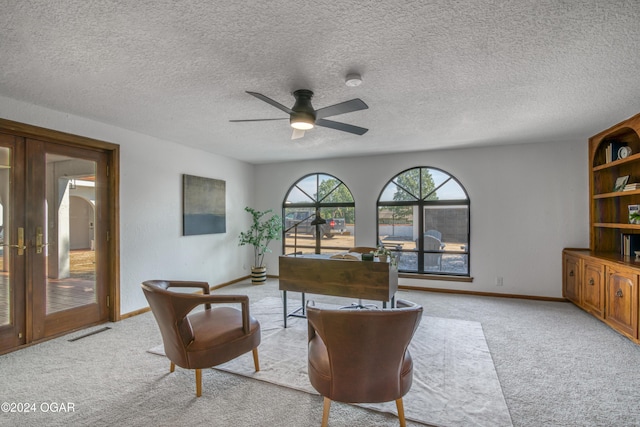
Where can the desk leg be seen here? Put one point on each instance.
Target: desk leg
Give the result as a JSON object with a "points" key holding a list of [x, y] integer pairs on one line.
{"points": [[304, 305], [284, 304], [393, 302]]}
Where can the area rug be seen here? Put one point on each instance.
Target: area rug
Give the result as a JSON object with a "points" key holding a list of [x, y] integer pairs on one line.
{"points": [[454, 379]]}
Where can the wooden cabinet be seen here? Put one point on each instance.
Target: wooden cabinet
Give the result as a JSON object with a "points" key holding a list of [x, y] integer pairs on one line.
{"points": [[605, 287], [571, 282], [603, 279], [593, 287], [622, 300]]}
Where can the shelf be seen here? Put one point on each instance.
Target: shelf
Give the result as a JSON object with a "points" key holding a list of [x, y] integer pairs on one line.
{"points": [[615, 163], [616, 194], [617, 225]]}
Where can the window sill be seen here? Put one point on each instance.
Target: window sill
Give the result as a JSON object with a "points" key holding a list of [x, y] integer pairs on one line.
{"points": [[444, 277]]}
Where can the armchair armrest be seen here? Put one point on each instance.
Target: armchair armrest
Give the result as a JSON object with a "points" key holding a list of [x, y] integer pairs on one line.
{"points": [[190, 284]]}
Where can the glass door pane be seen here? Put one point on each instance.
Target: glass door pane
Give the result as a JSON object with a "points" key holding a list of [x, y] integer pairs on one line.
{"points": [[6, 294], [68, 241], [12, 254]]}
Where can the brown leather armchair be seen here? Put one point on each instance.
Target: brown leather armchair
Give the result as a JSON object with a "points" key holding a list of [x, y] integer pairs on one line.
{"points": [[361, 356], [205, 338]]}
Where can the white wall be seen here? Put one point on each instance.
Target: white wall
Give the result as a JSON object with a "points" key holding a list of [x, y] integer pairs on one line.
{"points": [[151, 241], [527, 203]]}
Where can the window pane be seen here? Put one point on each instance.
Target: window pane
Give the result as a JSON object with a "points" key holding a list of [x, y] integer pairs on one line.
{"points": [[450, 191], [309, 185], [339, 194], [431, 179], [297, 196], [395, 231], [326, 185], [442, 262], [455, 263], [395, 191], [395, 225], [408, 262], [389, 191], [449, 224], [336, 237], [299, 233], [408, 185]]}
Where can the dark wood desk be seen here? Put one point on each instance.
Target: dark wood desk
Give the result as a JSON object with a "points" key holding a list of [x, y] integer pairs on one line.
{"points": [[318, 274]]}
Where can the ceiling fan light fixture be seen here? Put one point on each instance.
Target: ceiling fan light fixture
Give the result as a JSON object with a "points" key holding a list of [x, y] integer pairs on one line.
{"points": [[302, 116], [302, 121]]}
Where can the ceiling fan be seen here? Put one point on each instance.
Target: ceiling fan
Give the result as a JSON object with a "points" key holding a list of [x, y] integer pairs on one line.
{"points": [[303, 117]]}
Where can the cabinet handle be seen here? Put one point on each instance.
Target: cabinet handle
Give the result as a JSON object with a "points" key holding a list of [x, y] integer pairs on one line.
{"points": [[592, 282], [619, 293], [571, 273]]}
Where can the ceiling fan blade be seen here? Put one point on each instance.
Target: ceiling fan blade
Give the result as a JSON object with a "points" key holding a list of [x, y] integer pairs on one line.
{"points": [[297, 134], [258, 120], [271, 102], [342, 108], [341, 126]]}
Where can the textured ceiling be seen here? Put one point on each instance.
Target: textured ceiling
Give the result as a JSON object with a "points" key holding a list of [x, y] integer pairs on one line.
{"points": [[436, 74]]}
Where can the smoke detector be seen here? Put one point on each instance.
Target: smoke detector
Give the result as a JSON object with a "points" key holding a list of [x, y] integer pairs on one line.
{"points": [[353, 80]]}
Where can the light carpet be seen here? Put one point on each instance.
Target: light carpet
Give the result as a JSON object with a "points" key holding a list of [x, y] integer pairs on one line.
{"points": [[454, 378]]}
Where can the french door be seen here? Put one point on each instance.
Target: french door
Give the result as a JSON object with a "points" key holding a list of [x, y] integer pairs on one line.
{"points": [[54, 230]]}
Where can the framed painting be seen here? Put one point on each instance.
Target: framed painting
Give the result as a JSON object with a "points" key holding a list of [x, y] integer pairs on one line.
{"points": [[203, 206]]}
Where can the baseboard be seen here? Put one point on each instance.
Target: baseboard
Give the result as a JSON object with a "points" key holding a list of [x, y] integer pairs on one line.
{"points": [[482, 294]]}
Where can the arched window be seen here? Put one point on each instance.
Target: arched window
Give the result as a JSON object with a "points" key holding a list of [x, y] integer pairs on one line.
{"points": [[327, 196], [423, 217]]}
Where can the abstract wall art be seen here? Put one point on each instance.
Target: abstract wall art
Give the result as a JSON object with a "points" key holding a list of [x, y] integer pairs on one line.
{"points": [[203, 208]]}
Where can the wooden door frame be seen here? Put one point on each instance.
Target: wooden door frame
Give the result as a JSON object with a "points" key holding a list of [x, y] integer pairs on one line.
{"points": [[113, 154]]}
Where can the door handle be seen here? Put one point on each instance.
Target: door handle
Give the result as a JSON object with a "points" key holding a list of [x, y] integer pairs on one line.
{"points": [[39, 238], [21, 247]]}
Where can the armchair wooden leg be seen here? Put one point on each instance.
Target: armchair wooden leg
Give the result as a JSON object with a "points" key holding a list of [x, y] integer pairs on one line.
{"points": [[400, 407], [198, 382], [325, 411], [256, 362], [172, 367]]}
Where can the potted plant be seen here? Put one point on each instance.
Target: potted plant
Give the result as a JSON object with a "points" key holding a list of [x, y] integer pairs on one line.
{"points": [[383, 253], [263, 230]]}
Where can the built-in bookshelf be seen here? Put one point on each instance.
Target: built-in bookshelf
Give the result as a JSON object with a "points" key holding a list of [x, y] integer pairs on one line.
{"points": [[604, 279], [609, 214]]}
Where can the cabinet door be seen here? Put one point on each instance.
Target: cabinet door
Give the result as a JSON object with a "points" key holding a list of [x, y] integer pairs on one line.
{"points": [[593, 288], [622, 301], [571, 282]]}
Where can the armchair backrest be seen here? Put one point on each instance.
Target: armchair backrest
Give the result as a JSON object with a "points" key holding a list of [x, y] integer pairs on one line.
{"points": [[366, 349], [170, 310]]}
